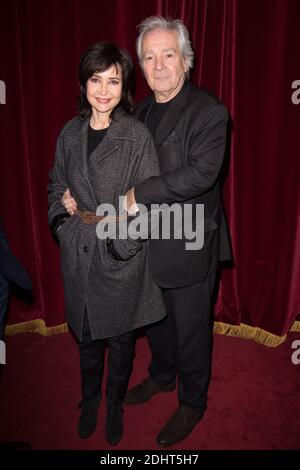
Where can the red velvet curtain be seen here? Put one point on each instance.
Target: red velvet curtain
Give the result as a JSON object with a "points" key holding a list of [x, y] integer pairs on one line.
{"points": [[246, 54]]}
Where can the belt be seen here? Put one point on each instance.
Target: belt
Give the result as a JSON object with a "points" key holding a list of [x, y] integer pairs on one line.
{"points": [[91, 218]]}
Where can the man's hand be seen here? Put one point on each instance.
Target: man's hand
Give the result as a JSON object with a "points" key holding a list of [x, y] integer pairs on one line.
{"points": [[130, 204], [69, 202]]}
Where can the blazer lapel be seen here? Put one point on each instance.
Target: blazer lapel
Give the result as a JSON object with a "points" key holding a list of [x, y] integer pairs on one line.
{"points": [[171, 117]]}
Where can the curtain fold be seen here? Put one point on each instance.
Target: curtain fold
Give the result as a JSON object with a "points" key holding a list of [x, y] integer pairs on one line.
{"points": [[246, 53]]}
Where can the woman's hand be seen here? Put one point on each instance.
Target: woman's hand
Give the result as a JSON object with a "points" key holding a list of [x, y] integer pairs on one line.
{"points": [[69, 202]]}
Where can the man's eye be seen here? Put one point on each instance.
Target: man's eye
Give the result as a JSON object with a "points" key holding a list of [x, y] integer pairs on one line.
{"points": [[148, 58]]}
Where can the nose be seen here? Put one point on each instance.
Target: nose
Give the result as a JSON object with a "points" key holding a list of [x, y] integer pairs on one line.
{"points": [[103, 88], [159, 63]]}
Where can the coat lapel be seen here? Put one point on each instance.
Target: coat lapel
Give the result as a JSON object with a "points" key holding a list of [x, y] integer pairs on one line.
{"points": [[108, 146], [103, 150], [79, 147], [79, 151]]}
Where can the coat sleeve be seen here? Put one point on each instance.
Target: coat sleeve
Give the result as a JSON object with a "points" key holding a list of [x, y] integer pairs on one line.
{"points": [[199, 174], [146, 166], [147, 161], [56, 187]]}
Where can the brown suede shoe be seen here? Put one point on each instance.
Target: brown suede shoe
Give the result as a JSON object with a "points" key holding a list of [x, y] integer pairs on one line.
{"points": [[144, 391], [179, 426]]}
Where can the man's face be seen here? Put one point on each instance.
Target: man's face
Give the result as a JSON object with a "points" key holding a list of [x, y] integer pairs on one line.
{"points": [[163, 65]]}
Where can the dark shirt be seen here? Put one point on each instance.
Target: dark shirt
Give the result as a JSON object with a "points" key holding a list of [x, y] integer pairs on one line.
{"points": [[156, 114], [94, 138]]}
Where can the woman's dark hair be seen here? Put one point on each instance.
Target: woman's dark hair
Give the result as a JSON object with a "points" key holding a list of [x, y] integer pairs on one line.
{"points": [[99, 58]]}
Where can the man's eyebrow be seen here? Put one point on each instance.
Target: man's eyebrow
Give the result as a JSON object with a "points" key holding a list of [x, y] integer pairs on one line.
{"points": [[150, 51]]}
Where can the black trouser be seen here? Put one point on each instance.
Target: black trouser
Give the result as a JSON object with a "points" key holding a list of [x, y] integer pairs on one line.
{"points": [[120, 359], [181, 343]]}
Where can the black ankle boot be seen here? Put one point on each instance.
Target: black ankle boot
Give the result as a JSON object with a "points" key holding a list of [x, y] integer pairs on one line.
{"points": [[114, 425], [88, 418]]}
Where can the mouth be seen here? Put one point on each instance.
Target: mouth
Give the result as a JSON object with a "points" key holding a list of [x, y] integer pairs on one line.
{"points": [[102, 100]]}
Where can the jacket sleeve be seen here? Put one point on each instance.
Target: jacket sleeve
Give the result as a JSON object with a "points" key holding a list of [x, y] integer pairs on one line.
{"points": [[199, 174], [56, 187]]}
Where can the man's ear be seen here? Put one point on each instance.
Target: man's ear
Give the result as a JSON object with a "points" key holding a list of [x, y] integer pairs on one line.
{"points": [[185, 65]]}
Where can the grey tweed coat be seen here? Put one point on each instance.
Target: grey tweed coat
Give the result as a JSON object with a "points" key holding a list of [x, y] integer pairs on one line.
{"points": [[120, 295]]}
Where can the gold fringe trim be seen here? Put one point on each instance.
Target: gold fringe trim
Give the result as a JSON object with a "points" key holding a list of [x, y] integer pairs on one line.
{"points": [[295, 326], [36, 326], [241, 331], [249, 332]]}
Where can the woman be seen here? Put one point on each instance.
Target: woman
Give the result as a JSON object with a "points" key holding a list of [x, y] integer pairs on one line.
{"points": [[100, 154]]}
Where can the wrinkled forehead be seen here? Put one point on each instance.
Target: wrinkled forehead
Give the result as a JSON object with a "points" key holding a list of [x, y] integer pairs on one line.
{"points": [[160, 40]]}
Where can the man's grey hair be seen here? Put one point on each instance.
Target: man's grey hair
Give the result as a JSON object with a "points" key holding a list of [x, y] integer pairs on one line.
{"points": [[153, 23]]}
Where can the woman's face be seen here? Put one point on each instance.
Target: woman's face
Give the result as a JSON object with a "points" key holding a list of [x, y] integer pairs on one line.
{"points": [[104, 89]]}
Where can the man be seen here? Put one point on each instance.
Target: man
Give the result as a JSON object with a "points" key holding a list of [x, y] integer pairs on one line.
{"points": [[189, 128]]}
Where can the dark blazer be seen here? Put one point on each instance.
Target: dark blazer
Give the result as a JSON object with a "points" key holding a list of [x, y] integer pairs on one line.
{"points": [[120, 295], [190, 141]]}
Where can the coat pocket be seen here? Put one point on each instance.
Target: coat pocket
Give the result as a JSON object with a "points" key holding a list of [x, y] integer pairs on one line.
{"points": [[65, 232]]}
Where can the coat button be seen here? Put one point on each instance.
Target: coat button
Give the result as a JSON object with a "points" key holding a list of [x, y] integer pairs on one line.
{"points": [[85, 249]]}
